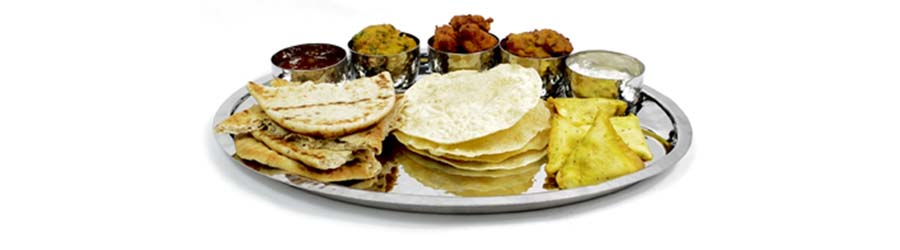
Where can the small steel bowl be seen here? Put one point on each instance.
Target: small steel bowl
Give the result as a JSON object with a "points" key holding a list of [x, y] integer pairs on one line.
{"points": [[551, 70], [334, 72], [402, 66], [445, 62], [608, 74]]}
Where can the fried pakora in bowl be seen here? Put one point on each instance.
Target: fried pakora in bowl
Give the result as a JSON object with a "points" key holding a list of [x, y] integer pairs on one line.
{"points": [[382, 47], [543, 50], [544, 43], [463, 44]]}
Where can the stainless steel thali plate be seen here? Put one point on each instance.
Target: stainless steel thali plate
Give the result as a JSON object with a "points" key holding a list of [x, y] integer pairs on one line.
{"points": [[668, 135]]}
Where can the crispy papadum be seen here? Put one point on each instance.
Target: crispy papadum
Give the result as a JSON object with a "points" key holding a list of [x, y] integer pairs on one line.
{"points": [[538, 142], [508, 140], [517, 161], [465, 105], [431, 173], [444, 167]]}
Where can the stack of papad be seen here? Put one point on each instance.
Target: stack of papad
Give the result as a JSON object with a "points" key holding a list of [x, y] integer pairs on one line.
{"points": [[591, 142], [477, 122], [329, 132], [441, 176]]}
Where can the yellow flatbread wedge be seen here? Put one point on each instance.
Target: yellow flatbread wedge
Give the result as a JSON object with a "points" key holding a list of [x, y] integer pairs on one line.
{"points": [[511, 163], [629, 128], [573, 117], [582, 111], [508, 140], [564, 136], [600, 156], [248, 148], [429, 174]]}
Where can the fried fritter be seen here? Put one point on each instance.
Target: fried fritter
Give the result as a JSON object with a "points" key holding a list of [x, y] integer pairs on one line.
{"points": [[538, 43], [464, 34], [474, 39], [458, 21], [445, 38]]}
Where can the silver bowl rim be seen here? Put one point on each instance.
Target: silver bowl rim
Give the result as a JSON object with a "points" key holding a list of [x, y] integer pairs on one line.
{"points": [[574, 55]]}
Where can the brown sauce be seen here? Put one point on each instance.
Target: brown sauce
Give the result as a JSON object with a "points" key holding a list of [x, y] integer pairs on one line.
{"points": [[308, 56]]}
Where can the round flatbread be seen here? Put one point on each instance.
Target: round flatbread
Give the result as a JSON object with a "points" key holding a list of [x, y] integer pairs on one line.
{"points": [[538, 142], [465, 105], [443, 167], [502, 142], [430, 174], [511, 163]]}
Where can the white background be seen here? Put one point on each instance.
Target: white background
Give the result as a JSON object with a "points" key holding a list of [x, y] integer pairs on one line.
{"points": [[107, 112]]}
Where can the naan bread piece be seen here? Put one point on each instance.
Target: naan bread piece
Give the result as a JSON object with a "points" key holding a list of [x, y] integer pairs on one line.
{"points": [[430, 174], [259, 167], [600, 156], [465, 105], [373, 138], [248, 148], [370, 138], [327, 110], [314, 152], [246, 121], [629, 128], [511, 163], [278, 82], [384, 182], [508, 140], [322, 159]]}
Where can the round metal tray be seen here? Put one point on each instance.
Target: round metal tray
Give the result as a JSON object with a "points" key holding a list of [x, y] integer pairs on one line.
{"points": [[669, 136]]}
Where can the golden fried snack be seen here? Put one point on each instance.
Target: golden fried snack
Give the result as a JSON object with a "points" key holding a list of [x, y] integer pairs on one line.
{"points": [[473, 39], [445, 38], [458, 21], [464, 34], [538, 44]]}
